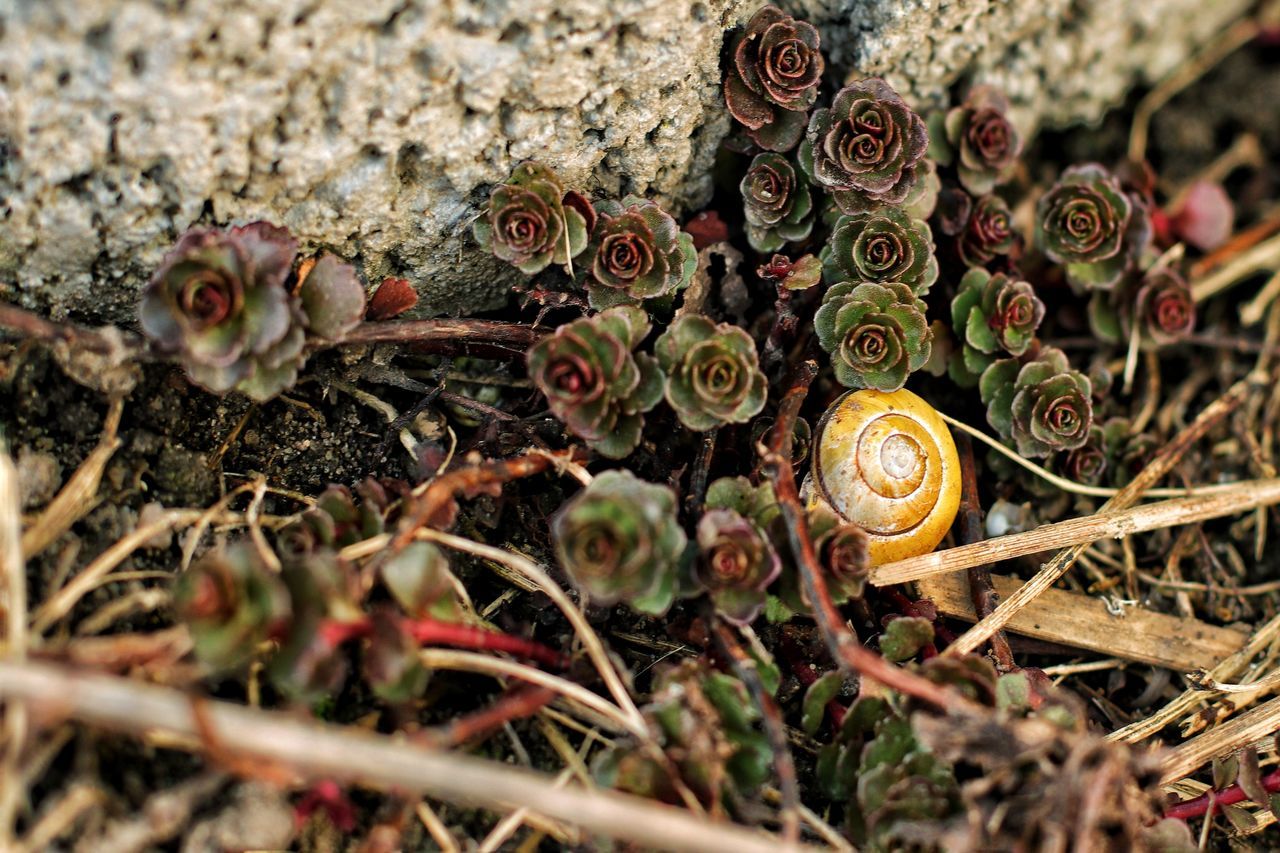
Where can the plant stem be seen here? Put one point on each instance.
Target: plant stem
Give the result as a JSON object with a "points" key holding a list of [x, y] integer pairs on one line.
{"points": [[438, 633], [1197, 806], [981, 589]]}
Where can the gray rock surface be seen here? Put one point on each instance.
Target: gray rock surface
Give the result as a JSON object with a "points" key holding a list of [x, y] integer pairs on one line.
{"points": [[376, 128]]}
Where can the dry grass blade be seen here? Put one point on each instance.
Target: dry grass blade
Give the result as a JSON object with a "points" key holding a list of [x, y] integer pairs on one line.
{"points": [[13, 607], [354, 755], [80, 493], [1084, 622], [1159, 466], [590, 640], [1186, 702], [62, 603], [1246, 729], [1113, 524], [1263, 256], [502, 668]]}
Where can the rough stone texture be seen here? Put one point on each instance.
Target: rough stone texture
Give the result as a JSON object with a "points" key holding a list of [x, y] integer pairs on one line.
{"points": [[1060, 61], [375, 128]]}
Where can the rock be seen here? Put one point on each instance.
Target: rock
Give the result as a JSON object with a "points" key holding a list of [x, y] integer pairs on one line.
{"points": [[375, 129]]}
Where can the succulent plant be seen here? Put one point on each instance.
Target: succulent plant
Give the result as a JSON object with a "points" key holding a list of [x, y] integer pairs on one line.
{"points": [[987, 232], [231, 602], [636, 252], [218, 300], [776, 202], [420, 581], [593, 380], [801, 274], [990, 314], [619, 540], [868, 148], [392, 662], [1084, 222], [708, 728], [773, 79], [336, 521], [1040, 404], [842, 551], [758, 504], [332, 297], [981, 139], [713, 372], [881, 247], [876, 334], [736, 564], [1161, 304], [1127, 452], [528, 224], [1087, 463]]}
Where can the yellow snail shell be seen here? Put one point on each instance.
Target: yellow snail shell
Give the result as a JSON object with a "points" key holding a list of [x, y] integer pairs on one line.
{"points": [[887, 462]]}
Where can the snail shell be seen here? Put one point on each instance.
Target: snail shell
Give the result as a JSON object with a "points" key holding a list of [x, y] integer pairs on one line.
{"points": [[887, 462]]}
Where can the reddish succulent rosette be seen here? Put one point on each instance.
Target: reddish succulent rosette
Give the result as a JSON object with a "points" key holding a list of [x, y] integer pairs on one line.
{"points": [[773, 80], [594, 382], [867, 148], [218, 300], [1164, 307], [987, 232], [983, 139], [737, 563], [1041, 404], [1088, 224]]}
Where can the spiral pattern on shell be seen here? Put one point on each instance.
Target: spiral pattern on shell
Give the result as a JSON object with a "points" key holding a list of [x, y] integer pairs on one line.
{"points": [[887, 462]]}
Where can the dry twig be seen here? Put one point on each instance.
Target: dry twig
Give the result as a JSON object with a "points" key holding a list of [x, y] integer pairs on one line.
{"points": [[322, 751]]}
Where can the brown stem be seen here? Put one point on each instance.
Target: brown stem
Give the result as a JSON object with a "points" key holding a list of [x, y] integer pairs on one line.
{"points": [[31, 325], [434, 505], [981, 589], [844, 646], [745, 668], [449, 334], [701, 468], [515, 704]]}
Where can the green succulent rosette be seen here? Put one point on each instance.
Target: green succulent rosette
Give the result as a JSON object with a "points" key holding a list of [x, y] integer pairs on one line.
{"points": [[1127, 452], [1082, 222], [619, 540], [594, 381], [636, 252], [876, 334], [218, 301], [881, 247], [776, 203], [773, 79], [528, 224], [867, 148], [713, 373], [231, 603], [981, 140], [991, 314], [1042, 405], [736, 563]]}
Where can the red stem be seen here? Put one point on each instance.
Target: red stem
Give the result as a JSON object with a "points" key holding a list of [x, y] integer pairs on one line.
{"points": [[1200, 805], [437, 633]]}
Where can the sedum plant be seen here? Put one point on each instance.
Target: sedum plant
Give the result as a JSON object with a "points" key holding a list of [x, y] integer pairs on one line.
{"points": [[594, 381], [776, 203], [619, 540], [1040, 403], [876, 334], [987, 232], [881, 247], [1161, 306], [636, 252], [979, 138], [736, 563], [773, 79], [867, 149], [231, 603], [713, 372], [532, 222], [1089, 225], [991, 314]]}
